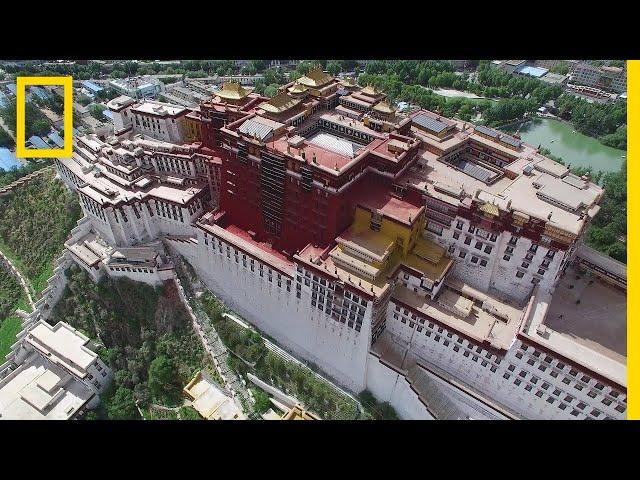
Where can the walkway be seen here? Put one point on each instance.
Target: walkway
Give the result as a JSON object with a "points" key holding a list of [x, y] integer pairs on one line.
{"points": [[7, 129], [26, 286], [210, 339]]}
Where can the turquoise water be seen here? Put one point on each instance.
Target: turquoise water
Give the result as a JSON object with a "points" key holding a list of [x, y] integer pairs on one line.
{"points": [[8, 160], [574, 148]]}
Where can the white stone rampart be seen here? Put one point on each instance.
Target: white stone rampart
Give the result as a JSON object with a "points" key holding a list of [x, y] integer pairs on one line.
{"points": [[389, 384], [338, 350]]}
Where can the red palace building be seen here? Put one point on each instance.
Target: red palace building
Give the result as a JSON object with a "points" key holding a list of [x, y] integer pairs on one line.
{"points": [[292, 165]]}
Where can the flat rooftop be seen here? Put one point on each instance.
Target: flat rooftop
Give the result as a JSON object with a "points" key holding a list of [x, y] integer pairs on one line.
{"points": [[63, 345], [38, 390], [210, 402], [521, 191], [90, 248], [583, 336], [598, 322], [453, 309], [376, 197], [313, 256], [239, 237], [159, 109]]}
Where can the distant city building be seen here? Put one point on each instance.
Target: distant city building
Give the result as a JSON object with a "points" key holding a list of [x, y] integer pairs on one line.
{"points": [[604, 77], [509, 66], [529, 71], [137, 87], [555, 78], [246, 80], [163, 121]]}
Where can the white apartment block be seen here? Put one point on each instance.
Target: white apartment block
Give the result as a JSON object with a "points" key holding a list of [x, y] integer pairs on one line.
{"points": [[158, 120], [605, 77], [137, 87], [51, 374]]}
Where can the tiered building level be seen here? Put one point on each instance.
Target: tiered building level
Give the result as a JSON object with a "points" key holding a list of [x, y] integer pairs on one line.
{"points": [[385, 248]]}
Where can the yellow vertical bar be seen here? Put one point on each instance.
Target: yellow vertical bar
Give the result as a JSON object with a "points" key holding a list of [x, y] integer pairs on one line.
{"points": [[68, 118], [633, 250], [20, 117]]}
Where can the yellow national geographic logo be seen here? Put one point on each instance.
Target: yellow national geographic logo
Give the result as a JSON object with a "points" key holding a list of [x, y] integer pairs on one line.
{"points": [[21, 150]]}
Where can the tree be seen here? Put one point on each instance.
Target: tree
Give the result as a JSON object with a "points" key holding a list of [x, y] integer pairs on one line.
{"points": [[249, 69], [561, 68], [96, 110], [189, 413], [40, 127], [272, 76], [161, 376], [334, 68], [122, 405], [271, 90], [6, 140], [619, 252], [262, 401]]}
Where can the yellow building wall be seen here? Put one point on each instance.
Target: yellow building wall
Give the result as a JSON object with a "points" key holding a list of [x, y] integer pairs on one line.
{"points": [[404, 236], [192, 131]]}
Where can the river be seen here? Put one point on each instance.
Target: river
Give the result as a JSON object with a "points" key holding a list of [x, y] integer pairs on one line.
{"points": [[574, 148]]}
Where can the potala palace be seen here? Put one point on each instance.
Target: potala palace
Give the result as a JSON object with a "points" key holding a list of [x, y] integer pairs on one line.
{"points": [[401, 253]]}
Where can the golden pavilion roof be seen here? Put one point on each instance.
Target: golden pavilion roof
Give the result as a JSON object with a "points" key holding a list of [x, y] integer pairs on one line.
{"points": [[371, 91], [348, 82], [491, 209], [280, 103], [232, 91], [297, 88], [315, 78], [384, 107]]}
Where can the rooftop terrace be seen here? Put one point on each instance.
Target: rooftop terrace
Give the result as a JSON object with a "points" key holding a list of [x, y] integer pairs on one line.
{"points": [[38, 390], [598, 321]]}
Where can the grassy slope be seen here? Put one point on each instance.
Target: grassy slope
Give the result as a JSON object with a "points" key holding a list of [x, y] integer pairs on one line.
{"points": [[34, 223]]}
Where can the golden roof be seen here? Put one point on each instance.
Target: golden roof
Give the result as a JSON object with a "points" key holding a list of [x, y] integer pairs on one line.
{"points": [[315, 78], [280, 103], [491, 209], [370, 90], [298, 88], [348, 82], [384, 107], [232, 91]]}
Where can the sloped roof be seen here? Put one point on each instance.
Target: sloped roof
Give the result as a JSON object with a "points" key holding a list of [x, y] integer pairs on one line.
{"points": [[491, 209], [298, 88], [384, 107], [280, 103], [315, 78], [256, 129], [370, 91], [232, 91]]}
